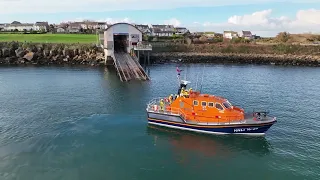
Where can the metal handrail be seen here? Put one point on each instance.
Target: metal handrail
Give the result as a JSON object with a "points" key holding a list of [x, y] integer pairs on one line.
{"points": [[144, 46]]}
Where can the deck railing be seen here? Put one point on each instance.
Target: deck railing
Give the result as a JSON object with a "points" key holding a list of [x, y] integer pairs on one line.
{"points": [[143, 47]]}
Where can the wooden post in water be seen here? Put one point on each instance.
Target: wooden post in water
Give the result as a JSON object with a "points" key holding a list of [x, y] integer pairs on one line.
{"points": [[149, 58]]}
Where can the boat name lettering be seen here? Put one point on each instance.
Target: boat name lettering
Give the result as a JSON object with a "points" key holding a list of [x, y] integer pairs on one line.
{"points": [[245, 129]]}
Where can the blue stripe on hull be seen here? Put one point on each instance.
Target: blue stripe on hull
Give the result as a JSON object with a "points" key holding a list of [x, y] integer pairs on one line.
{"points": [[258, 129]]}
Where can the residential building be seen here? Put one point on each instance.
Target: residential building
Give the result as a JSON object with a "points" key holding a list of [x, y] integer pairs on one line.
{"points": [[145, 29], [41, 26], [2, 26], [181, 30], [74, 27], [218, 35], [162, 30], [102, 25], [18, 26], [246, 34], [209, 35], [60, 30], [230, 34]]}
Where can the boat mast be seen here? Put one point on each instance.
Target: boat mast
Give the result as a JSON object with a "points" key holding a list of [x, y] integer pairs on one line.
{"points": [[202, 78]]}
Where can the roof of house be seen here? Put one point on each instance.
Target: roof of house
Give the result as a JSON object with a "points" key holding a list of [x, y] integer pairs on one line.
{"points": [[16, 22], [246, 33], [41, 24], [142, 26], [181, 28], [159, 31], [162, 26], [233, 32], [74, 25], [24, 24]]}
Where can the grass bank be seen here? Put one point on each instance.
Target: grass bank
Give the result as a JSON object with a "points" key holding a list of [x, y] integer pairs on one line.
{"points": [[50, 38]]}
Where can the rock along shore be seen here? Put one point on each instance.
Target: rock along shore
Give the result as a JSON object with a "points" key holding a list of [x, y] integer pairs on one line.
{"points": [[237, 58], [14, 53]]}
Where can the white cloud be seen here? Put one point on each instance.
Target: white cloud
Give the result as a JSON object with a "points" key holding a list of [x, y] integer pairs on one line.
{"points": [[262, 23], [49, 6]]}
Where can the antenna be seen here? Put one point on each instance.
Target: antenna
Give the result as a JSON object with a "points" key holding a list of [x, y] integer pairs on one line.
{"points": [[197, 81], [202, 78], [185, 74]]}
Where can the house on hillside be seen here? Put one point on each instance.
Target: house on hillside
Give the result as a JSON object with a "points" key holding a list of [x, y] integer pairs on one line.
{"points": [[246, 34], [209, 35], [41, 26], [230, 34], [74, 27], [2, 26], [162, 30], [145, 29], [218, 35], [18, 26], [181, 30], [102, 25]]}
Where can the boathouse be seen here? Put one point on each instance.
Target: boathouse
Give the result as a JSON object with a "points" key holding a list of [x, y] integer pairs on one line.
{"points": [[122, 43], [121, 37]]}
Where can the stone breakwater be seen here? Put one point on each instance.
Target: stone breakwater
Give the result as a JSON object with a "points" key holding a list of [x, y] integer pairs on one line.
{"points": [[237, 58], [13, 53]]}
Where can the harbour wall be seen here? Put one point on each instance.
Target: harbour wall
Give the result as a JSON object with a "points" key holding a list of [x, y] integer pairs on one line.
{"points": [[90, 54], [280, 54]]}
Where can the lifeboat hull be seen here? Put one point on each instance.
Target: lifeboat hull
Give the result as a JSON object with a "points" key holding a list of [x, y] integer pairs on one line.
{"points": [[176, 122]]}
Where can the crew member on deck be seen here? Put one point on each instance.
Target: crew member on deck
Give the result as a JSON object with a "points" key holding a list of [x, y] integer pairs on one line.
{"points": [[182, 91], [170, 98], [186, 94], [161, 105]]}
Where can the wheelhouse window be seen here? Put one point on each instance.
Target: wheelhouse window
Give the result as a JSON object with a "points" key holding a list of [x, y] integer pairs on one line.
{"points": [[227, 105], [218, 106], [211, 104], [203, 103], [195, 103]]}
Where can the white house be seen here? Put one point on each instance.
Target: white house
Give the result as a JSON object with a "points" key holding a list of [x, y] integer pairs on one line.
{"points": [[60, 30], [246, 34], [209, 35], [41, 26], [74, 27], [144, 28], [102, 25], [230, 34], [162, 30], [181, 30], [19, 27]]}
